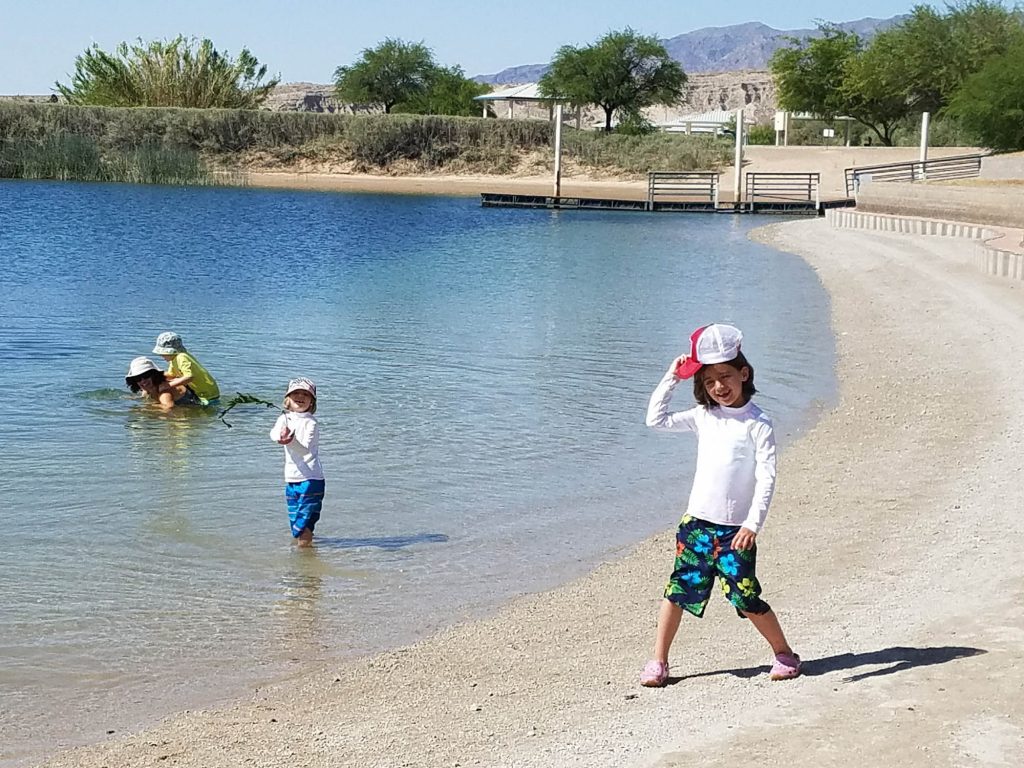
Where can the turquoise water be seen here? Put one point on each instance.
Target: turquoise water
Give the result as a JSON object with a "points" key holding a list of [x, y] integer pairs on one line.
{"points": [[482, 374]]}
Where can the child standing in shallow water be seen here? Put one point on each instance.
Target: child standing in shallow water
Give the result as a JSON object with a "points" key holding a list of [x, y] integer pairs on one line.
{"points": [[298, 431], [732, 488]]}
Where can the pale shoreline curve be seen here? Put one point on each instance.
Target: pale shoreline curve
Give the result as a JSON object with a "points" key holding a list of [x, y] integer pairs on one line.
{"points": [[889, 552], [829, 162], [449, 185]]}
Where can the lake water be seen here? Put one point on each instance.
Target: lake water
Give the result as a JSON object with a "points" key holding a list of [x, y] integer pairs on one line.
{"points": [[483, 376]]}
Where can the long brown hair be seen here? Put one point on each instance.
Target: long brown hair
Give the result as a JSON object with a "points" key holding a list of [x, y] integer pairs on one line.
{"points": [[156, 376], [700, 394]]}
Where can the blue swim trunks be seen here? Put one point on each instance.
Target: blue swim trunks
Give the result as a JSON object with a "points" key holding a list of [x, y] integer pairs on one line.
{"points": [[304, 502], [703, 551]]}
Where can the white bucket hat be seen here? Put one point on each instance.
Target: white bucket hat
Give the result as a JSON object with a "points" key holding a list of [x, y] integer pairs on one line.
{"points": [[137, 368], [168, 343], [715, 343]]}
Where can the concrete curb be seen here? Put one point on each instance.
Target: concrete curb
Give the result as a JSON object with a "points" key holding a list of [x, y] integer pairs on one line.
{"points": [[988, 259]]}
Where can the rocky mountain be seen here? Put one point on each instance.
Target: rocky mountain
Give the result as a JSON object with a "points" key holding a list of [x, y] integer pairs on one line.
{"points": [[714, 49]]}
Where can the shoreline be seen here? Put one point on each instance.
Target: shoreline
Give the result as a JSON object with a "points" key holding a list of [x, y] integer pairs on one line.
{"points": [[449, 185], [829, 161], [877, 556]]}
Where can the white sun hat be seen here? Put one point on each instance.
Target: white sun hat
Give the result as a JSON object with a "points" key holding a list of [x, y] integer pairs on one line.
{"points": [[168, 343], [137, 368], [710, 344]]}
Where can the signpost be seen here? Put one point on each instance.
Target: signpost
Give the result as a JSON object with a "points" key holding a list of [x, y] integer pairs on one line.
{"points": [[558, 150], [739, 156]]}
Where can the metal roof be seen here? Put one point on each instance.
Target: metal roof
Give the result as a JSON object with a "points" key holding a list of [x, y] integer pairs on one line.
{"points": [[528, 92], [714, 117]]}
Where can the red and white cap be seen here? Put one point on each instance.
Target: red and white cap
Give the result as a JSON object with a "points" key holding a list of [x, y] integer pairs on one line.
{"points": [[715, 343]]}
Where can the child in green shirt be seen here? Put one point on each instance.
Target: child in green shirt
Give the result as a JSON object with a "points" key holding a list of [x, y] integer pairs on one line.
{"points": [[185, 370]]}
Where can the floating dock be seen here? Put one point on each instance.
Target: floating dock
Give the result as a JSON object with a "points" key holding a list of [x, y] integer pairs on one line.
{"points": [[791, 194], [784, 207]]}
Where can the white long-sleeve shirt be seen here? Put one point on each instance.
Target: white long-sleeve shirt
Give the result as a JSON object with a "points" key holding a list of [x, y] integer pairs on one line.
{"points": [[735, 475], [302, 454]]}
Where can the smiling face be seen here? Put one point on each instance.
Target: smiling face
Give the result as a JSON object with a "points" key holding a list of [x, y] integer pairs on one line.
{"points": [[724, 384], [148, 384], [299, 401]]}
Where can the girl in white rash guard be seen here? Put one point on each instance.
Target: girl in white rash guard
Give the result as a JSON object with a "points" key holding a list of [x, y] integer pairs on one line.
{"points": [[732, 488]]}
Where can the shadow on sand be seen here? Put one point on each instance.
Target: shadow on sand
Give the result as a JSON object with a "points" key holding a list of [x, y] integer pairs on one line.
{"points": [[382, 542], [897, 659]]}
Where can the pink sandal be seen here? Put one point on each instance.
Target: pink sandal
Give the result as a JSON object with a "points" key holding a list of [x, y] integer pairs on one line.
{"points": [[786, 666], [655, 674]]}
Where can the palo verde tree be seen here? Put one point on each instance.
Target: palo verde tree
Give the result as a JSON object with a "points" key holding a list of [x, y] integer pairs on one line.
{"points": [[621, 71], [394, 72], [183, 72]]}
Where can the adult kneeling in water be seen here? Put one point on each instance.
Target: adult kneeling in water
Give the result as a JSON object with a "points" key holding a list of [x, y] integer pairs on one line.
{"points": [[144, 376]]}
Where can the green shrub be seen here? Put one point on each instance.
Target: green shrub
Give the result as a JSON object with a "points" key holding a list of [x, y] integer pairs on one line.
{"points": [[761, 134]]}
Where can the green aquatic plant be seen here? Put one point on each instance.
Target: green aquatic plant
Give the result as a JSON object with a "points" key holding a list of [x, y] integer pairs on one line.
{"points": [[68, 156], [241, 398]]}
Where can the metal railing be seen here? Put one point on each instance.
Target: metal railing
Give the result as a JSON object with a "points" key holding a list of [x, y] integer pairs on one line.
{"points": [[782, 189], [955, 167], [699, 185]]}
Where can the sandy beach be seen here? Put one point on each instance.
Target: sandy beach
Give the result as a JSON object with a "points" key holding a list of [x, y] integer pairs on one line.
{"points": [[829, 162], [890, 555]]}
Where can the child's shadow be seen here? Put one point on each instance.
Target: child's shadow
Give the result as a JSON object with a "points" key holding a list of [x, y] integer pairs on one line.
{"points": [[382, 542], [899, 658]]}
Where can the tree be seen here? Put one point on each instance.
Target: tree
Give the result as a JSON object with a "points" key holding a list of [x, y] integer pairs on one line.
{"points": [[392, 73], [622, 70], [833, 75], [448, 92], [175, 73], [932, 53], [990, 103], [872, 90], [809, 73]]}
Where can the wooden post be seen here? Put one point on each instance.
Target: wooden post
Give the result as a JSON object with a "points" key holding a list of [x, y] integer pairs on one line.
{"points": [[558, 150], [739, 155]]}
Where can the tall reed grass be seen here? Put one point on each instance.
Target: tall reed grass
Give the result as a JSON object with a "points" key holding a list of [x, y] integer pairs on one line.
{"points": [[69, 157]]}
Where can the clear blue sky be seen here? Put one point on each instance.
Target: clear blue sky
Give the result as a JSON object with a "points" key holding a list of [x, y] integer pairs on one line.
{"points": [[303, 40]]}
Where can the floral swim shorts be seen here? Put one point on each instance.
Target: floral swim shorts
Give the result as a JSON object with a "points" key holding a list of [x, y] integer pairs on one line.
{"points": [[703, 551]]}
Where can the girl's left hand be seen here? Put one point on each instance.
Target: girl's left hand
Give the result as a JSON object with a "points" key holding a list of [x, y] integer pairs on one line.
{"points": [[744, 539]]}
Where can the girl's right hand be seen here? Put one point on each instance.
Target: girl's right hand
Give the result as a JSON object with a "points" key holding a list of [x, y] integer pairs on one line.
{"points": [[676, 363], [286, 434]]}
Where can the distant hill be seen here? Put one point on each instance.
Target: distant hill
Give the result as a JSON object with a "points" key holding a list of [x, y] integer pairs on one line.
{"points": [[714, 49]]}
